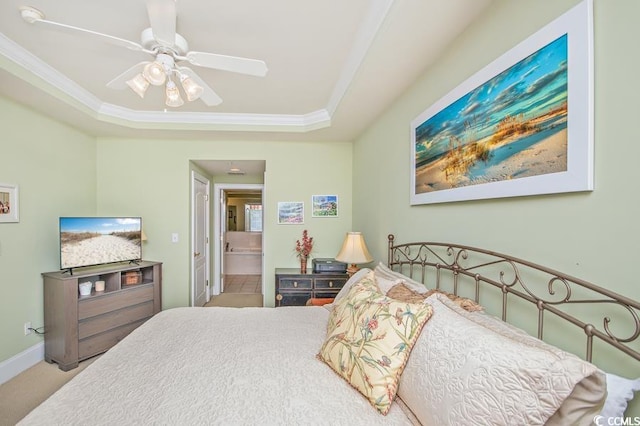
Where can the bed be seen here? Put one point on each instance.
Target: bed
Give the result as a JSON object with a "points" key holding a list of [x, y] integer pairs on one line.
{"points": [[436, 315]]}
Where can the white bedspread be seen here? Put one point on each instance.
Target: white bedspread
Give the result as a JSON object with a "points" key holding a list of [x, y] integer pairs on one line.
{"points": [[188, 366]]}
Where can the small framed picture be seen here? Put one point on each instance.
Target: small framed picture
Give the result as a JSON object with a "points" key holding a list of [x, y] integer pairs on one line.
{"points": [[324, 206], [290, 212], [8, 203]]}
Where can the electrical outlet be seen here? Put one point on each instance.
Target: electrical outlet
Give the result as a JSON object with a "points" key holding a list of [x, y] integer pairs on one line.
{"points": [[27, 328], [174, 237]]}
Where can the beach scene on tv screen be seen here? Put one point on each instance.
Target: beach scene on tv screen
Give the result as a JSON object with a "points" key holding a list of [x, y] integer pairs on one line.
{"points": [[93, 241]]}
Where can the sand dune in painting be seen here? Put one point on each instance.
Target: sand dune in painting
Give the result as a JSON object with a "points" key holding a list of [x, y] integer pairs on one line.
{"points": [[546, 156]]}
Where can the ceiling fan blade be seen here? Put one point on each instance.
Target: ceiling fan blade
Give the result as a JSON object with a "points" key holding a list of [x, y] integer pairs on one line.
{"points": [[162, 16], [35, 17], [120, 82], [227, 63], [209, 97]]}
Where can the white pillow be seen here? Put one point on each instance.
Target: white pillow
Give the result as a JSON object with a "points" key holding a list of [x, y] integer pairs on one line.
{"points": [[387, 278], [619, 392], [463, 368]]}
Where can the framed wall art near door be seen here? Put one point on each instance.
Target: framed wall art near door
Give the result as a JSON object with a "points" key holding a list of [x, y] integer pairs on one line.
{"points": [[8, 203], [290, 212], [523, 125], [324, 206]]}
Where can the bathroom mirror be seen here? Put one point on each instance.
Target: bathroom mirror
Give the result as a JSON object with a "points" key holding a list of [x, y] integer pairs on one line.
{"points": [[244, 212], [232, 219]]}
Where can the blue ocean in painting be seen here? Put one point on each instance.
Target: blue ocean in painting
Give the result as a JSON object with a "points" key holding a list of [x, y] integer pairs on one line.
{"points": [[509, 113]]}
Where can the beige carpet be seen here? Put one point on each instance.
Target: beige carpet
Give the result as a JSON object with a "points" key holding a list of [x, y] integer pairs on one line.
{"points": [[28, 389], [236, 300]]}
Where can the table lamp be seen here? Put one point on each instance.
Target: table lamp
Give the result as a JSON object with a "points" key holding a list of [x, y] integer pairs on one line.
{"points": [[354, 251]]}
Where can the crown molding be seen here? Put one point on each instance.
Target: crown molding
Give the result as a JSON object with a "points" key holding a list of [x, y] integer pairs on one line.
{"points": [[364, 37], [215, 121], [28, 67]]}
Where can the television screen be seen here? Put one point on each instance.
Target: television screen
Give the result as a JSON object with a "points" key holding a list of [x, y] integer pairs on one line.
{"points": [[87, 241]]}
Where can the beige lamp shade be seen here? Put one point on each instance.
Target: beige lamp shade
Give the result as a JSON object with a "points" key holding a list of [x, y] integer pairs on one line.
{"points": [[354, 251], [143, 236]]}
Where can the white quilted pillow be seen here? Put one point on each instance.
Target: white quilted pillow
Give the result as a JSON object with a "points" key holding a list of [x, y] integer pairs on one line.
{"points": [[464, 372], [387, 278]]}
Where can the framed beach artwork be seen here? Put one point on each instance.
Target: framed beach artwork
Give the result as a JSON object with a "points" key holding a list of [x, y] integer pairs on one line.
{"points": [[324, 206], [8, 203], [523, 125], [290, 212]]}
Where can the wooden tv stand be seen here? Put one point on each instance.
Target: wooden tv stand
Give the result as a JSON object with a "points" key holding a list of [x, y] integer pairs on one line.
{"points": [[78, 327]]}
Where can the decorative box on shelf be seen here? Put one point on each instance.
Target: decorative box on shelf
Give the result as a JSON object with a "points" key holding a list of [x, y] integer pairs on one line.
{"points": [[132, 277]]}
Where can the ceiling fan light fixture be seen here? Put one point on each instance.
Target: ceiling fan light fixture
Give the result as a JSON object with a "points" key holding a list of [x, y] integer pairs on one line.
{"points": [[154, 73], [138, 84], [166, 46], [173, 95], [191, 88]]}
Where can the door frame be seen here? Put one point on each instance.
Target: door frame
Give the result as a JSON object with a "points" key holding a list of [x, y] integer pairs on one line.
{"points": [[219, 219], [207, 224]]}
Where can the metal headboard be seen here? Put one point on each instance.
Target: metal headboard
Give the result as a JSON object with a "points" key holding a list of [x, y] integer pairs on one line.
{"points": [[431, 263]]}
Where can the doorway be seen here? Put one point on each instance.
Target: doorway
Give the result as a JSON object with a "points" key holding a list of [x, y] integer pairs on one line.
{"points": [[200, 239], [238, 236]]}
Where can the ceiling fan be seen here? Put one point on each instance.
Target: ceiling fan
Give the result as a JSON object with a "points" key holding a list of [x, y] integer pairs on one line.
{"points": [[168, 49]]}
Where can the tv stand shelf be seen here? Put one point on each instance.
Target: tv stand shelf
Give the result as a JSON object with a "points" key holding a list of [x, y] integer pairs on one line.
{"points": [[79, 327]]}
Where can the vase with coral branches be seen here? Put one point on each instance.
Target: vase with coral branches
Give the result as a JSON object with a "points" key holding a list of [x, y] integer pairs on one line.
{"points": [[303, 250]]}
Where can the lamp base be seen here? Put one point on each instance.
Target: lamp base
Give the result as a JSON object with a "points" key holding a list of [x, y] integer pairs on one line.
{"points": [[352, 269]]}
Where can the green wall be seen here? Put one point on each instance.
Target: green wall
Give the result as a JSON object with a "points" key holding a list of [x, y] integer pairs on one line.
{"points": [[54, 168], [151, 178], [591, 235], [61, 171]]}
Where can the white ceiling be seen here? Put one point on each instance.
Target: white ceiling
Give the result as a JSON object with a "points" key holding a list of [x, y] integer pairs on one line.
{"points": [[334, 65], [217, 168]]}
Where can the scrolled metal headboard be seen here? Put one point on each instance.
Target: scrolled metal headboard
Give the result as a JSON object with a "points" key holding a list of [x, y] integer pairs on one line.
{"points": [[432, 262]]}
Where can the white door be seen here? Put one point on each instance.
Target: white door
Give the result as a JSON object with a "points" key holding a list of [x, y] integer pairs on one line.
{"points": [[200, 240], [223, 230]]}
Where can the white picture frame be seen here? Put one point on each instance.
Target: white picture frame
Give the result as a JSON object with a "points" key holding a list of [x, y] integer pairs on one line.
{"points": [[290, 212], [9, 203], [455, 143], [324, 206]]}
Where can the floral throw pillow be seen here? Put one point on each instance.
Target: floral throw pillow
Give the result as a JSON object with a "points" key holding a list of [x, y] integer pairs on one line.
{"points": [[369, 339]]}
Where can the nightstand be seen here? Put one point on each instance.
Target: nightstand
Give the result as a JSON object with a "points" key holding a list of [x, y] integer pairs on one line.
{"points": [[295, 289]]}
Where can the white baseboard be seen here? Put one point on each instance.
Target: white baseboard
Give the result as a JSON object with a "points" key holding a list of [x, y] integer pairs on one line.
{"points": [[20, 362]]}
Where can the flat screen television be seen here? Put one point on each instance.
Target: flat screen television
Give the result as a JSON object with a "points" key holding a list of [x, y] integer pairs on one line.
{"points": [[90, 241]]}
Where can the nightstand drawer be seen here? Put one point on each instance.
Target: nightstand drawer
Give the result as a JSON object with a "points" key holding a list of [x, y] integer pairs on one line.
{"points": [[293, 298], [330, 283], [295, 283], [325, 294], [294, 288]]}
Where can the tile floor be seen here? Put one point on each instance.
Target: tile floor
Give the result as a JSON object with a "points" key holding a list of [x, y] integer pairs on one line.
{"points": [[243, 284]]}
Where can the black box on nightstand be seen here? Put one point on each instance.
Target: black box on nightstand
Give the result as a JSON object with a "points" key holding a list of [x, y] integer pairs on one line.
{"points": [[321, 265]]}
